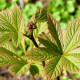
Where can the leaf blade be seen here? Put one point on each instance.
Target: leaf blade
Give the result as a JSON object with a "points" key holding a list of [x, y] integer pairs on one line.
{"points": [[16, 17], [75, 53], [7, 59], [5, 38], [55, 30], [71, 63], [19, 68], [41, 54], [6, 21], [54, 67], [47, 41], [72, 36], [41, 15]]}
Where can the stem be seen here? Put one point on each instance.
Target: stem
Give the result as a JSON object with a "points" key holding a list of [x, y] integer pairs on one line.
{"points": [[43, 63], [33, 77], [58, 78], [69, 75], [35, 43], [33, 40]]}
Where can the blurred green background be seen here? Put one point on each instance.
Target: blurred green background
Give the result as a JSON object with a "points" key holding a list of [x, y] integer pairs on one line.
{"points": [[63, 11]]}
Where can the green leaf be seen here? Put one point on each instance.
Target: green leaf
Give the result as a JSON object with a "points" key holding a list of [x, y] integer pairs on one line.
{"points": [[6, 37], [71, 63], [48, 41], [7, 59], [16, 17], [19, 68], [6, 21], [55, 30], [41, 15], [17, 37], [54, 67], [13, 22], [22, 38], [18, 22], [75, 53], [64, 35], [41, 69], [72, 36], [34, 70], [22, 46], [7, 48], [41, 54]]}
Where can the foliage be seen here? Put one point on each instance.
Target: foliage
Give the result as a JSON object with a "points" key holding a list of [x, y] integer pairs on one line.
{"points": [[12, 23], [63, 11], [58, 53], [58, 49]]}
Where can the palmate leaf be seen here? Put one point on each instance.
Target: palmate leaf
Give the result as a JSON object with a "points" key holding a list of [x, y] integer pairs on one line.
{"points": [[56, 61], [72, 36], [19, 68], [55, 30], [53, 43], [13, 22], [71, 63], [41, 54], [67, 57], [8, 56], [54, 67]]}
